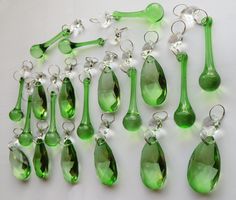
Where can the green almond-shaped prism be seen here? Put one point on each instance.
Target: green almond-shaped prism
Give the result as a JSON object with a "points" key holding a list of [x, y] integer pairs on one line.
{"points": [[108, 91], [41, 160], [204, 167], [69, 163], [39, 102], [153, 82], [20, 165], [105, 163], [67, 99], [153, 169]]}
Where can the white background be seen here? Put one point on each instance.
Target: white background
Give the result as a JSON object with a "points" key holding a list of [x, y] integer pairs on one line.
{"points": [[26, 22]]}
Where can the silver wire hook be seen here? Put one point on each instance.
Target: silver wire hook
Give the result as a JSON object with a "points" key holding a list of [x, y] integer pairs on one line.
{"points": [[150, 41], [128, 50], [178, 21], [68, 127], [214, 117], [42, 126], [179, 5], [105, 121], [198, 21], [55, 66], [89, 77], [27, 65]]}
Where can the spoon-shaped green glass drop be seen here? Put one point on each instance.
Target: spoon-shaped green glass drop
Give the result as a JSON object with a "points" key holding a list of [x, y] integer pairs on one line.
{"points": [[39, 101], [66, 46], [209, 80], [26, 137], [184, 115], [16, 113], [38, 50], [85, 129], [132, 120], [154, 12], [52, 138]]}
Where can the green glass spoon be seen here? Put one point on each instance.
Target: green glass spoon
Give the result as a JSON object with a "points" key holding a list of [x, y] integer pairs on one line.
{"points": [[66, 46], [38, 50], [184, 116], [16, 113], [154, 12], [209, 80]]}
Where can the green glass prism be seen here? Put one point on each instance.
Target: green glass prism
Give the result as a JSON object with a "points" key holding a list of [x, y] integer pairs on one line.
{"points": [[20, 164], [67, 99], [108, 91], [41, 160], [153, 168], [209, 80], [69, 163], [105, 163], [39, 102], [153, 82], [204, 167]]}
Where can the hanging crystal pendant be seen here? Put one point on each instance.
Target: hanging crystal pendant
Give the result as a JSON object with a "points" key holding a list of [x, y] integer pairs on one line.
{"points": [[39, 101], [69, 162], [67, 99], [41, 159], [20, 164]]}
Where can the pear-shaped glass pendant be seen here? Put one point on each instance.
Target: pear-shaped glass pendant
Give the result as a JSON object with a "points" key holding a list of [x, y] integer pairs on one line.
{"points": [[184, 116], [154, 12], [105, 163], [26, 137], [153, 82], [85, 129], [39, 101], [153, 169], [209, 79], [16, 113], [38, 50], [20, 164], [108, 91], [69, 162], [52, 137], [67, 99], [66, 46], [132, 120], [41, 159]]}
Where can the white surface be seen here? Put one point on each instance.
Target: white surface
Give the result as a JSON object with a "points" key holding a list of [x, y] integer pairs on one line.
{"points": [[26, 22]]}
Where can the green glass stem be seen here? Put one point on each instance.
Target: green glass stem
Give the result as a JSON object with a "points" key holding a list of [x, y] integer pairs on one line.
{"points": [[209, 80], [38, 50], [66, 46], [85, 129], [52, 137], [184, 116], [154, 12], [16, 113], [26, 137], [132, 120]]}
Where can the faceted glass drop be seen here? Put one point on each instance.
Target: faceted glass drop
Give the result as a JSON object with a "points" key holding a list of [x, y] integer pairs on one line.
{"points": [[204, 167], [39, 102], [153, 165], [108, 91], [67, 99], [41, 160], [153, 82], [105, 163], [20, 165], [69, 163]]}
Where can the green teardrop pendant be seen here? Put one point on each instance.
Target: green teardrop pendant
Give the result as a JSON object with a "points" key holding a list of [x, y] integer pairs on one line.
{"points": [[105, 163], [204, 167], [153, 169], [67, 99], [52, 137], [184, 115], [69, 163], [20, 165], [41, 160], [209, 80], [16, 113], [153, 82], [132, 120], [26, 137], [39, 102], [108, 91]]}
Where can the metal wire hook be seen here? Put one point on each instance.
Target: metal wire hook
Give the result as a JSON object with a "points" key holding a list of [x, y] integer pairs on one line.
{"points": [[150, 41], [105, 121], [198, 21], [178, 21], [214, 117], [68, 127], [179, 5], [128, 50]]}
